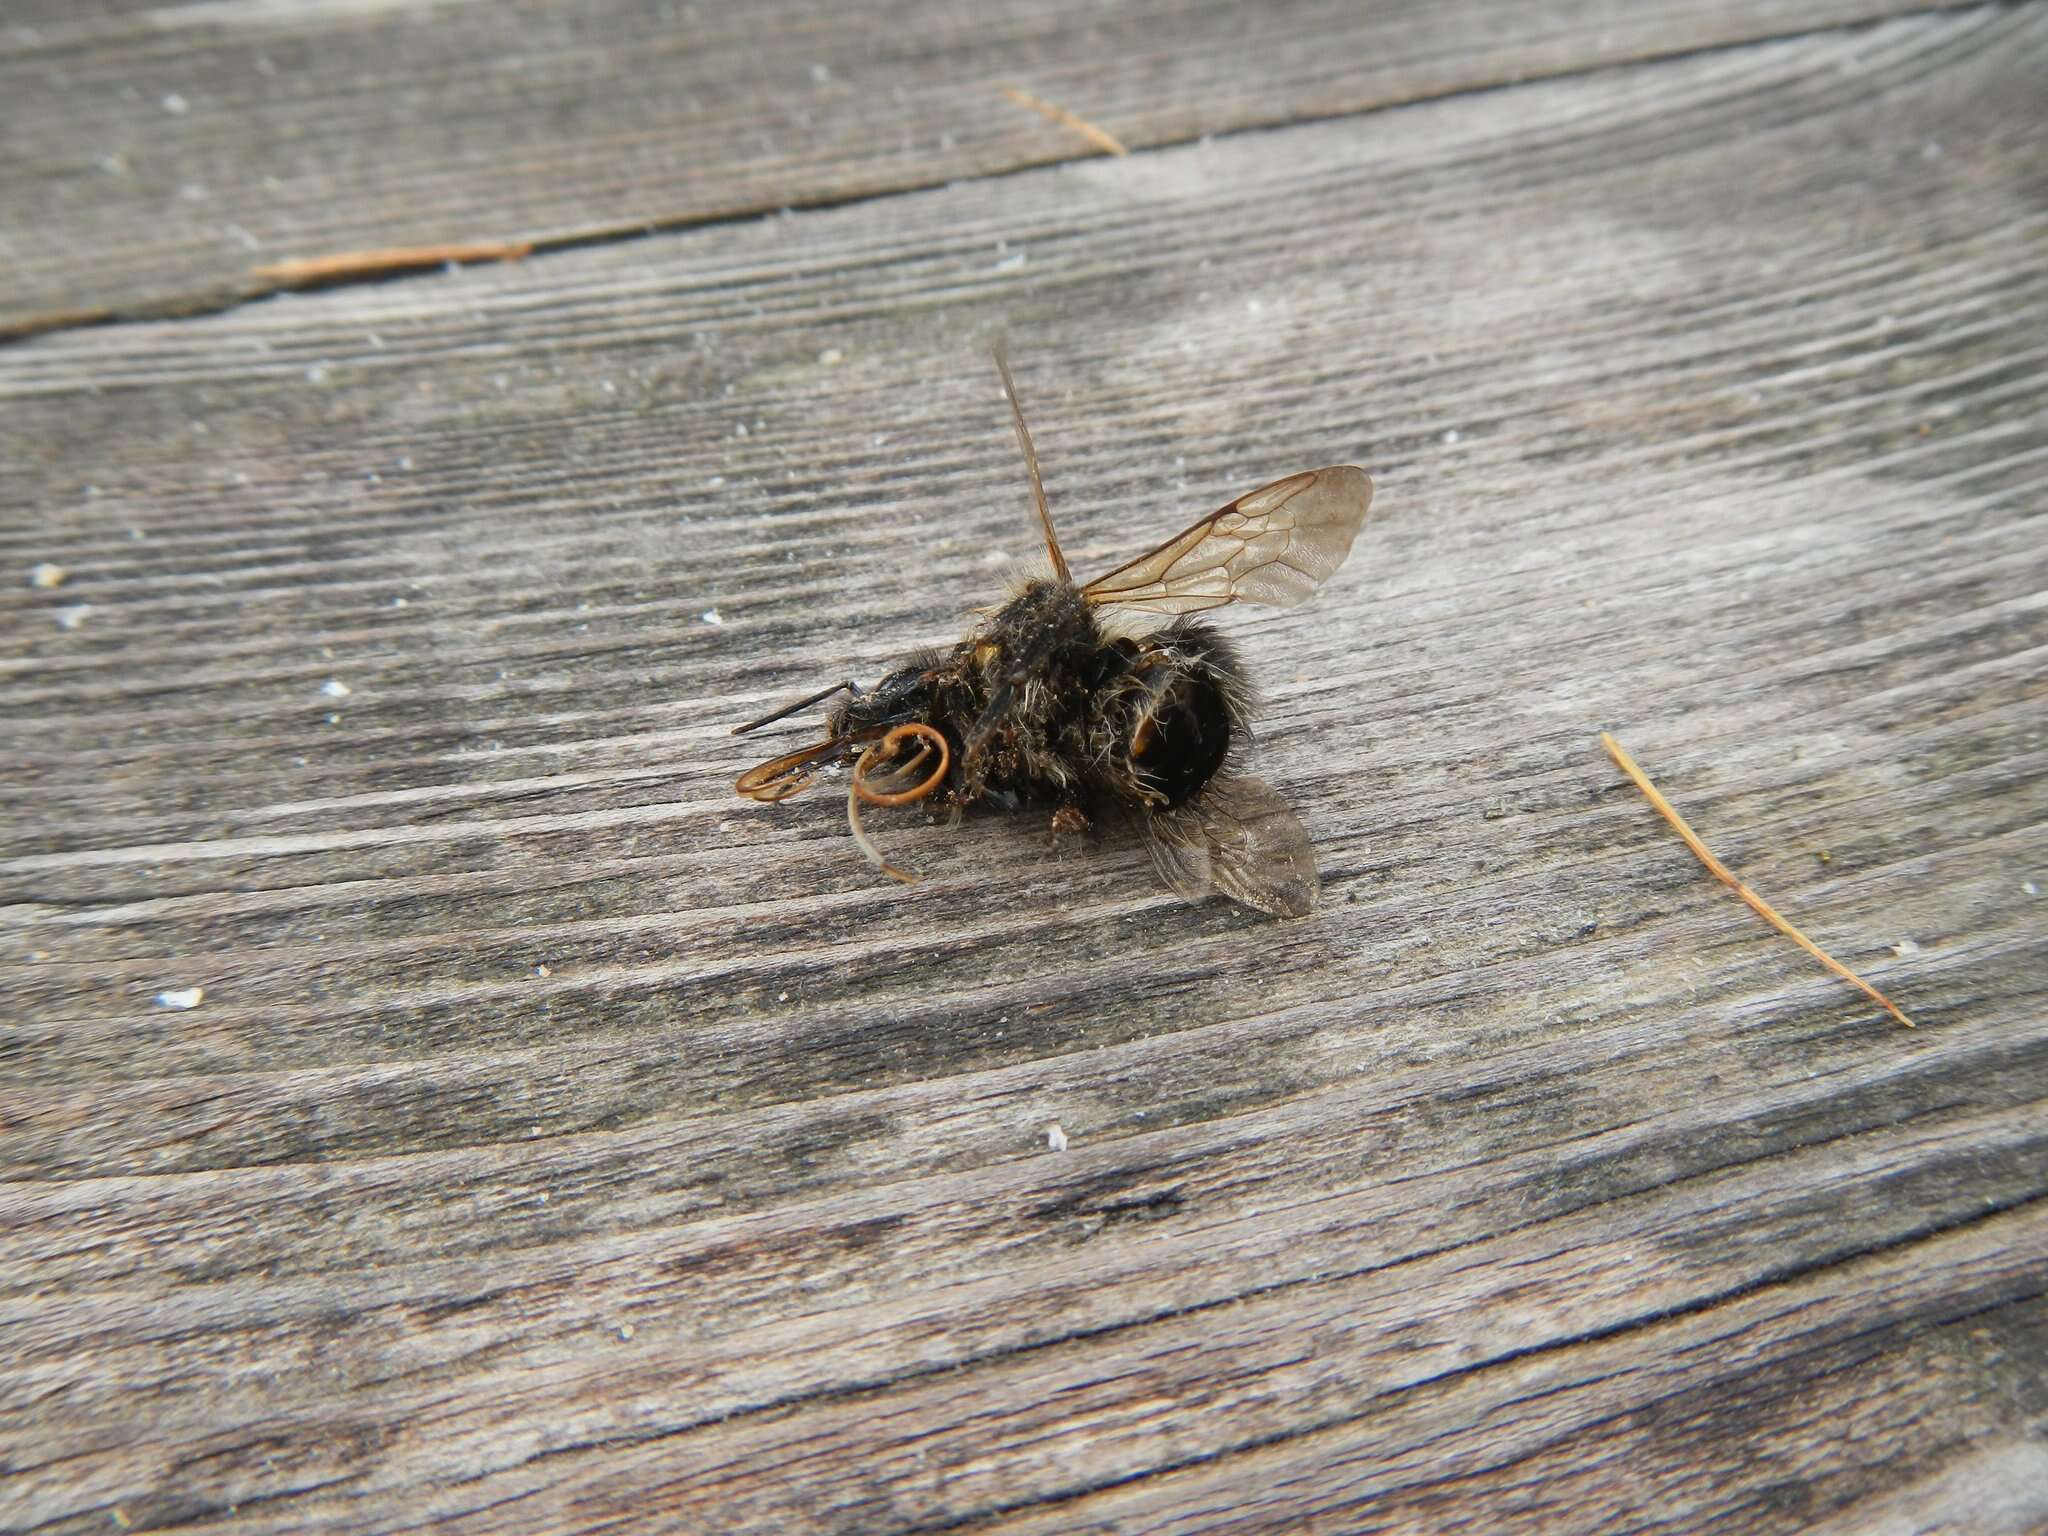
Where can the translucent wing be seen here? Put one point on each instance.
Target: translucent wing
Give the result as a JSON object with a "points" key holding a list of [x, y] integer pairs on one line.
{"points": [[1237, 837], [1274, 546]]}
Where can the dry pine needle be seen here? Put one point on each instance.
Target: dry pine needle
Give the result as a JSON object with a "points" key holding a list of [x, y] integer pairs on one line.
{"points": [[1722, 873]]}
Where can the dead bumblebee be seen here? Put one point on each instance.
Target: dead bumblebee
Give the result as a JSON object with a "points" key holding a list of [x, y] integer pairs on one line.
{"points": [[1059, 699]]}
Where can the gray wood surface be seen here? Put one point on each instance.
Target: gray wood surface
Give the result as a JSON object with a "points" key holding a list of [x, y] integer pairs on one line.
{"points": [[161, 156], [560, 1142]]}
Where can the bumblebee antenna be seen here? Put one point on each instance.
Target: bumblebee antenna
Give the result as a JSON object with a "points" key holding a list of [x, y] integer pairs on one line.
{"points": [[789, 709], [1052, 544]]}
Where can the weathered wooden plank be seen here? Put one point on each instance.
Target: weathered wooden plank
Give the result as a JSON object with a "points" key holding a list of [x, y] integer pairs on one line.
{"points": [[1708, 1420], [1511, 1246], [1530, 1156], [160, 156]]}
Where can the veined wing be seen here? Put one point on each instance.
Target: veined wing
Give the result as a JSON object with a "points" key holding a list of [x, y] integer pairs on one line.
{"points": [[1237, 837], [1273, 546]]}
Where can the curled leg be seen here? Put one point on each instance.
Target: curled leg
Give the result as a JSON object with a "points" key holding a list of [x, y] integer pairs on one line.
{"points": [[895, 786], [794, 772]]}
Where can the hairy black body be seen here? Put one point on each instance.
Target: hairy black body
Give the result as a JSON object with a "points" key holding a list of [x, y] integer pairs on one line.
{"points": [[1040, 707]]}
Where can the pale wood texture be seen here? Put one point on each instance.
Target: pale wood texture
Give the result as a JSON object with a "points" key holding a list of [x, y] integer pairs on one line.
{"points": [[161, 154], [562, 1143]]}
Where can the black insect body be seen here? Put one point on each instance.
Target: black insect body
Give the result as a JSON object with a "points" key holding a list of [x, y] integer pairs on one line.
{"points": [[1059, 700], [1040, 707]]}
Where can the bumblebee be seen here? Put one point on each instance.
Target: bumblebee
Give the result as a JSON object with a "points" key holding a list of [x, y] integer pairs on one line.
{"points": [[1105, 698]]}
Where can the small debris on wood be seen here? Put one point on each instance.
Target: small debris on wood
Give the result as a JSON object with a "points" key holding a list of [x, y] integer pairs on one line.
{"points": [[1721, 872], [1056, 1138], [47, 576], [1094, 135], [180, 998], [314, 271]]}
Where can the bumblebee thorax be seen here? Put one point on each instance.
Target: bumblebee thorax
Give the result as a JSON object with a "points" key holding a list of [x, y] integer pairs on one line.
{"points": [[1043, 617]]}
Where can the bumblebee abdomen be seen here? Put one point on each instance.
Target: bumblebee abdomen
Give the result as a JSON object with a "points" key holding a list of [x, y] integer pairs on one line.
{"points": [[1179, 746], [1176, 713]]}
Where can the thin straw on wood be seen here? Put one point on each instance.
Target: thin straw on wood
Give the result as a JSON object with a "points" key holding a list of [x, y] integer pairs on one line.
{"points": [[1094, 135], [1722, 873], [307, 270]]}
